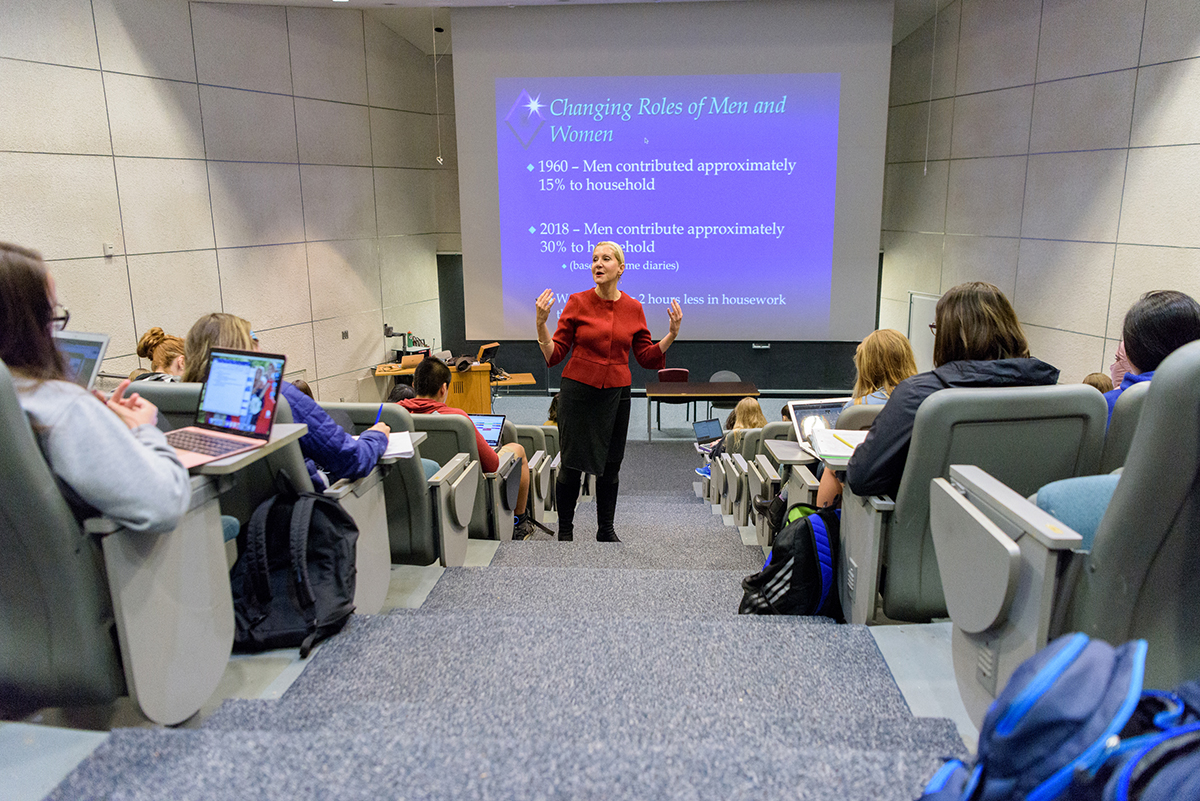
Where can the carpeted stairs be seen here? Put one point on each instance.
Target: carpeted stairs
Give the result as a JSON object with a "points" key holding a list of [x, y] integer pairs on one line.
{"points": [[565, 670]]}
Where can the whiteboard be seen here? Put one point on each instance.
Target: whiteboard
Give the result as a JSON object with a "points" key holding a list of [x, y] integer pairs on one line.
{"points": [[922, 312]]}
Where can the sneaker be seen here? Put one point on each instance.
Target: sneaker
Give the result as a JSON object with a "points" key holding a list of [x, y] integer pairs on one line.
{"points": [[529, 529], [705, 471]]}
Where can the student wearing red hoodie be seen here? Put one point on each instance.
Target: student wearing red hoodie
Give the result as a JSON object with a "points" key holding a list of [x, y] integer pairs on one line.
{"points": [[431, 382], [598, 327]]}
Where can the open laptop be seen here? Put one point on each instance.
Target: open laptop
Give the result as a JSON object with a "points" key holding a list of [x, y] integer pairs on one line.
{"points": [[83, 354], [810, 415], [237, 407], [707, 430], [491, 426]]}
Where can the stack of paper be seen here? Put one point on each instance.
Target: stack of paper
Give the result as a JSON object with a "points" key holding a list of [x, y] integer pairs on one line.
{"points": [[399, 445], [834, 446]]}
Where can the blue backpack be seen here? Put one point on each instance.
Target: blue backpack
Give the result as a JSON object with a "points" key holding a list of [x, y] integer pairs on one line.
{"points": [[800, 575], [1071, 722]]}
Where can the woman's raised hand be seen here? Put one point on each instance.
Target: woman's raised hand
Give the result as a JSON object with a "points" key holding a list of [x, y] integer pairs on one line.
{"points": [[676, 315], [544, 303]]}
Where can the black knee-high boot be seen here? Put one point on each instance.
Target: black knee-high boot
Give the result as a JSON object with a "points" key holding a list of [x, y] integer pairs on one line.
{"points": [[606, 509], [566, 495]]}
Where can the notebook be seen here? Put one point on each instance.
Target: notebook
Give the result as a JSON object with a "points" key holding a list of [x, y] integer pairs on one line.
{"points": [[836, 447], [491, 426], [237, 407], [82, 354], [811, 415]]}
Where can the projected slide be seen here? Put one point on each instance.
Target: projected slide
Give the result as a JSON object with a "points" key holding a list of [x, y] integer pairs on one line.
{"points": [[720, 189]]}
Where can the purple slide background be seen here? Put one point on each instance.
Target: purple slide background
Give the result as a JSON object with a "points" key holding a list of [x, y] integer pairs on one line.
{"points": [[789, 272]]}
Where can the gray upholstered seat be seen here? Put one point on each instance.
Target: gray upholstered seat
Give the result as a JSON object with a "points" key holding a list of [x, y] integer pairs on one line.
{"points": [[1126, 413], [859, 418], [1028, 436], [1014, 576], [65, 587], [447, 436], [533, 440], [423, 526]]}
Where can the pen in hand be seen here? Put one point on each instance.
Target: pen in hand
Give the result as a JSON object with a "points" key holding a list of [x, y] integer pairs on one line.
{"points": [[379, 416]]}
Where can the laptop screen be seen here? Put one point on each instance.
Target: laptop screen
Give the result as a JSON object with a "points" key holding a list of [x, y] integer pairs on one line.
{"points": [[809, 415], [240, 392], [82, 354], [707, 430], [491, 426]]}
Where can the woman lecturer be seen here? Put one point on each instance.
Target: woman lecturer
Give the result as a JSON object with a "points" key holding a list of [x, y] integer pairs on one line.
{"points": [[600, 326]]}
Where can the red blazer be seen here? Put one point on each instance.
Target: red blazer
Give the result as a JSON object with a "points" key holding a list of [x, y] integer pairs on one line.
{"points": [[602, 332]]}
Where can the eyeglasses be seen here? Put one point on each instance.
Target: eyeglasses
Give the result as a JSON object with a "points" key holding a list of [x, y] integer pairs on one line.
{"points": [[933, 328], [61, 317]]}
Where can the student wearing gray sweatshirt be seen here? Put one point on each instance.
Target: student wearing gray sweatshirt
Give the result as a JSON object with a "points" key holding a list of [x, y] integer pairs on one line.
{"points": [[107, 452]]}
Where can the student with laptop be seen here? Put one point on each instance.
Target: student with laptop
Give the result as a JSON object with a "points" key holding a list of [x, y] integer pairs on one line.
{"points": [[978, 342], [330, 453], [431, 382], [113, 461]]}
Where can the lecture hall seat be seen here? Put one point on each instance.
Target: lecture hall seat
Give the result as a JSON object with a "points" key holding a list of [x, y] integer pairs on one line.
{"points": [[1015, 578]]}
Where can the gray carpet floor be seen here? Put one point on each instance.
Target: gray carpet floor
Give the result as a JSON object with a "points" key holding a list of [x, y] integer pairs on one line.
{"points": [[564, 670]]}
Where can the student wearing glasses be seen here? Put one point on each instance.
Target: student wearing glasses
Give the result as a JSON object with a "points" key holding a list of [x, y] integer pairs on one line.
{"points": [[113, 461], [978, 342]]}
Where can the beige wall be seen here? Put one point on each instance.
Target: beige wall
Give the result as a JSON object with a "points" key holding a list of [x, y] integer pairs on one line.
{"points": [[1064, 163], [276, 164]]}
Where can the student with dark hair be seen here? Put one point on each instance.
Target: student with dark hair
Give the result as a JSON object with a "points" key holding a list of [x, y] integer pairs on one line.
{"points": [[1155, 326], [431, 382], [978, 342], [82, 440]]}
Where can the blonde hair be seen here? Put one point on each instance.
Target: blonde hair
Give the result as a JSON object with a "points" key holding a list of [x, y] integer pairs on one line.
{"points": [[883, 360], [620, 254], [748, 414], [216, 330], [160, 348], [1100, 381]]}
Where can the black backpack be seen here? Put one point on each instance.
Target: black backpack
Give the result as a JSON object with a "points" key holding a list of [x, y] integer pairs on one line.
{"points": [[293, 582], [800, 575]]}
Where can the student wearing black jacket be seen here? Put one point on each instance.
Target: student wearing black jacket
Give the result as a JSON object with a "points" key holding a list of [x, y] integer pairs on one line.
{"points": [[978, 342]]}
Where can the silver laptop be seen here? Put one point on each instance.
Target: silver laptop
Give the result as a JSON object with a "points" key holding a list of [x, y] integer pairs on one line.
{"points": [[810, 415], [491, 426], [237, 407], [83, 354]]}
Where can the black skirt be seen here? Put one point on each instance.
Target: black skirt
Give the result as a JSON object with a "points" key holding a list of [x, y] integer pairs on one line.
{"points": [[593, 425]]}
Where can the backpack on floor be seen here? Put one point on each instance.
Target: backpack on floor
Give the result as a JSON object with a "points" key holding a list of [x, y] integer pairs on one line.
{"points": [[293, 582], [800, 575], [1074, 723]]}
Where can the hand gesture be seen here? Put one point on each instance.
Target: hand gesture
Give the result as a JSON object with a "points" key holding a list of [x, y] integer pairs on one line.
{"points": [[382, 428], [676, 315], [545, 302], [134, 410]]}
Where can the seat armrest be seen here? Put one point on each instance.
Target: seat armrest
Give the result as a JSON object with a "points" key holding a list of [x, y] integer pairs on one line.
{"points": [[1000, 559], [882, 503], [768, 469], [454, 489], [1010, 511], [865, 522], [173, 608]]}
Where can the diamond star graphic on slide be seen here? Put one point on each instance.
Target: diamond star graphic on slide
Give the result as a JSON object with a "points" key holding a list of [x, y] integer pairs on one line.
{"points": [[525, 117]]}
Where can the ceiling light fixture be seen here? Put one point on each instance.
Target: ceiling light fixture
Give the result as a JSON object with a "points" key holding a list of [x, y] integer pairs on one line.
{"points": [[437, 107]]}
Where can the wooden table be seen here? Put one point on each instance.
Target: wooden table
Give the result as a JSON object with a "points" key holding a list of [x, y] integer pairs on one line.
{"points": [[470, 390], [687, 391]]}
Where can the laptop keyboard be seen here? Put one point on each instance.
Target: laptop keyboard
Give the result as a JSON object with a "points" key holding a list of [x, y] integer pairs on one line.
{"points": [[197, 442]]}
